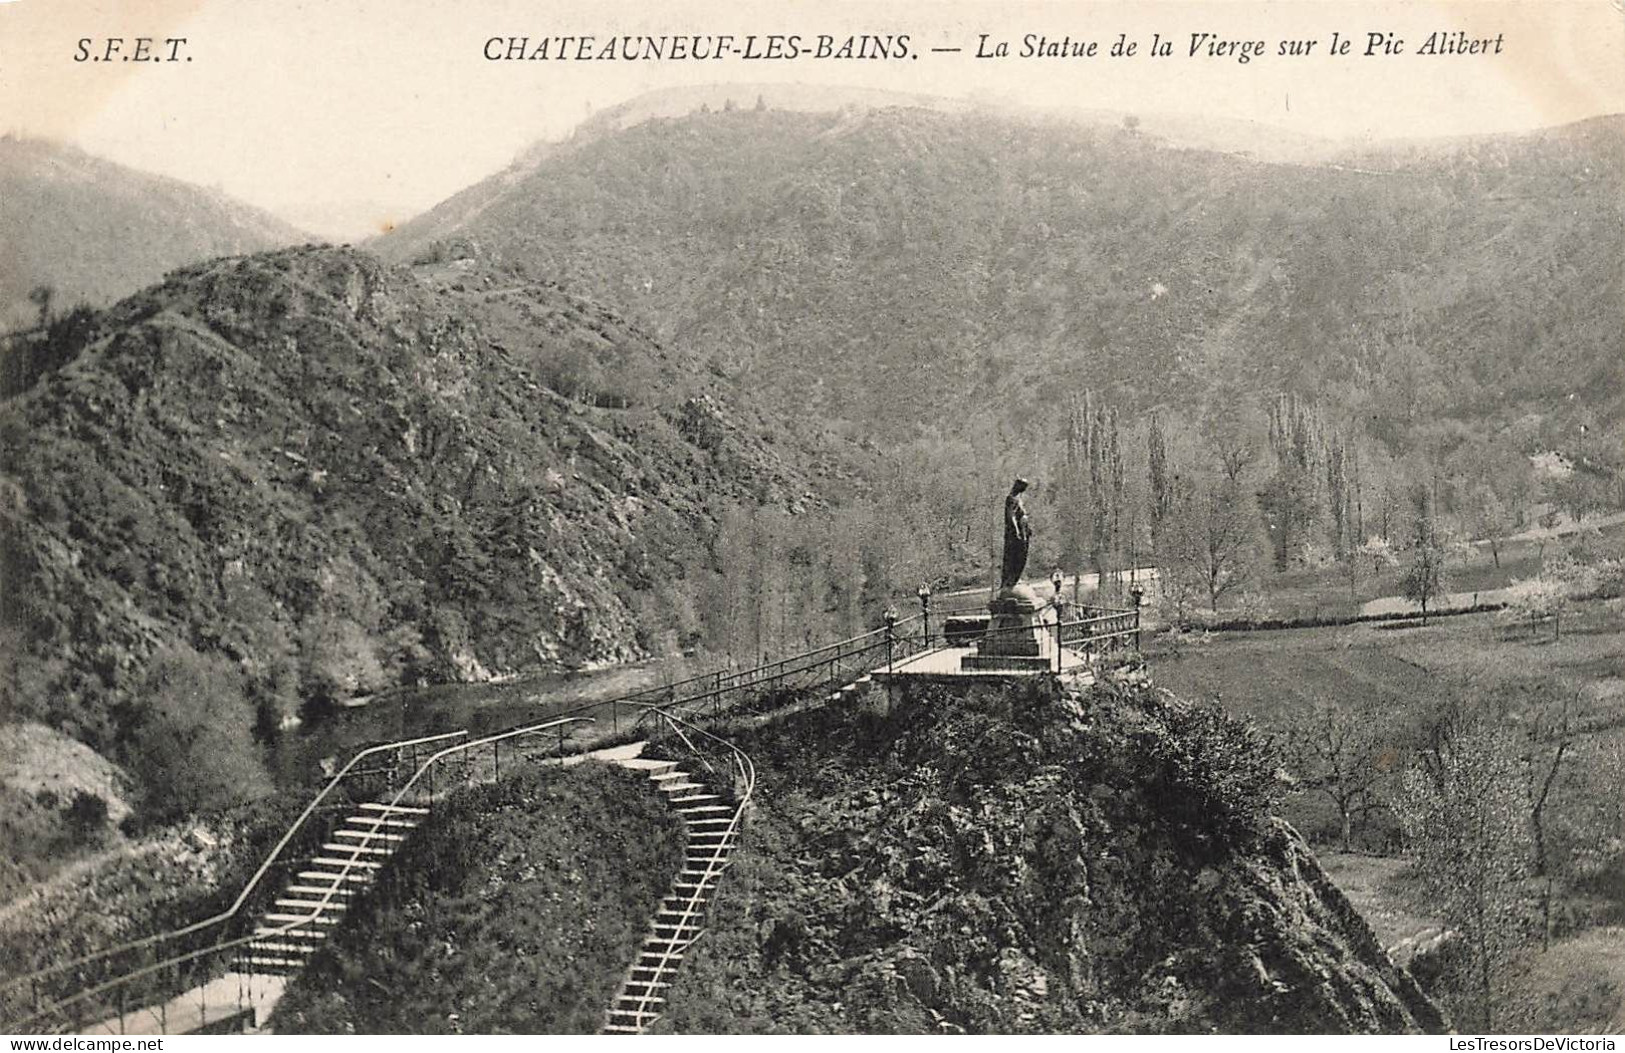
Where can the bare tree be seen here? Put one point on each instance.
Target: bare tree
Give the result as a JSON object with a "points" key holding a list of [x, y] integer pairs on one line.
{"points": [[1425, 578], [1464, 813], [1338, 752], [1549, 742], [1212, 540]]}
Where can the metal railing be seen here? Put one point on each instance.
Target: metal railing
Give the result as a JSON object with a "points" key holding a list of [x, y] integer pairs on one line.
{"points": [[23, 1000], [708, 696], [183, 963], [44, 994], [743, 774], [1087, 630], [834, 663], [1093, 629]]}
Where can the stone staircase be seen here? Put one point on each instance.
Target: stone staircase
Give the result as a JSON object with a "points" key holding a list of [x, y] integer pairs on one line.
{"points": [[707, 817], [317, 897], [848, 690]]}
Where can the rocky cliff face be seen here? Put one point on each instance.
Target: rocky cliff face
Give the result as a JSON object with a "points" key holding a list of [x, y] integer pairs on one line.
{"points": [[342, 477], [1032, 860]]}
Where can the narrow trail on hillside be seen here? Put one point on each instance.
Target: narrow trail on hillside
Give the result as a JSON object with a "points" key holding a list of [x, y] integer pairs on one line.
{"points": [[66, 876]]}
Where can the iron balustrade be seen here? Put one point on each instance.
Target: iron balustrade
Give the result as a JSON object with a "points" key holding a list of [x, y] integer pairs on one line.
{"points": [[743, 772], [213, 959], [710, 696], [23, 998]]}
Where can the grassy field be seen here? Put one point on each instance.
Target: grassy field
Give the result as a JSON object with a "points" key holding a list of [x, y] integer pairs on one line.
{"points": [[1395, 676], [1326, 593], [516, 910]]}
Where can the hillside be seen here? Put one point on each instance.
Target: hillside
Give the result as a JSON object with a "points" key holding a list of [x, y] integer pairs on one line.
{"points": [[515, 910], [897, 267], [1030, 859], [314, 476], [93, 230]]}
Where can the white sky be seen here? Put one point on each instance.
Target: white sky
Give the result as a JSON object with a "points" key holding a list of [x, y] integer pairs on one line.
{"points": [[391, 102]]}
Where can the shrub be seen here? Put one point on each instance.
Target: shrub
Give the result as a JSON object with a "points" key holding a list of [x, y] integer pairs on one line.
{"points": [[86, 815], [515, 909], [1218, 775], [188, 736]]}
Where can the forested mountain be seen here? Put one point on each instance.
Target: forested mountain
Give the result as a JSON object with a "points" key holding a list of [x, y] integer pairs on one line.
{"points": [[301, 476], [896, 267], [91, 230], [828, 340]]}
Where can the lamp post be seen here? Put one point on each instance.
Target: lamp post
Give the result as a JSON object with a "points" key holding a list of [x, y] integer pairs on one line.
{"points": [[1138, 595], [925, 610], [891, 634], [1056, 581]]}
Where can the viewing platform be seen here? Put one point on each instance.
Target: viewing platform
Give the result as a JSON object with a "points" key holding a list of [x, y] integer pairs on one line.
{"points": [[1054, 639], [949, 663]]}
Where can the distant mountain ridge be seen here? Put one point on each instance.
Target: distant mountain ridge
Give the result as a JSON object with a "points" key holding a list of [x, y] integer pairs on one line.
{"points": [[94, 230], [1249, 138], [897, 266]]}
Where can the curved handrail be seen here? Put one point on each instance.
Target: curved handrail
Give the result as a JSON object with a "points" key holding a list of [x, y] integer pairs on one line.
{"points": [[747, 771], [316, 912], [248, 888], [367, 838], [717, 679], [717, 683]]}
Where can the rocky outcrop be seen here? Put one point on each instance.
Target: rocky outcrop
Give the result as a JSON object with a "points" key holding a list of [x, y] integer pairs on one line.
{"points": [[1030, 860], [342, 477]]}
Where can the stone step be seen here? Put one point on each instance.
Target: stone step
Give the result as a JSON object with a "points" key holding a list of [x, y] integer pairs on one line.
{"points": [[311, 904], [300, 949], [314, 890], [306, 936], [698, 809], [633, 1002], [680, 787], [695, 798], [721, 820], [375, 822], [648, 764], [274, 962], [671, 773], [328, 861], [622, 1029], [318, 919], [635, 1016], [334, 846], [322, 875], [368, 835], [394, 809]]}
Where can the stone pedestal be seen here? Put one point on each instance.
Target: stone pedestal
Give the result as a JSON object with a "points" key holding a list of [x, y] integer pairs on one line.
{"points": [[1016, 636]]}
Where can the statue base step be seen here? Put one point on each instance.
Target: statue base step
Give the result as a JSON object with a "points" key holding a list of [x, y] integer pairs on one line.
{"points": [[1016, 637], [1005, 663]]}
